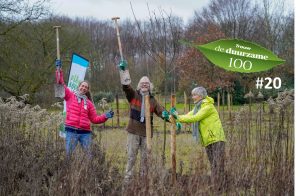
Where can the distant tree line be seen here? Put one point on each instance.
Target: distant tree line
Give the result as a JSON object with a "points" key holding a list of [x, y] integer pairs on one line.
{"points": [[151, 47]]}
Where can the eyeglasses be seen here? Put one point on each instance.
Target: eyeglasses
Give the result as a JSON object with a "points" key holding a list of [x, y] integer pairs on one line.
{"points": [[145, 84]]}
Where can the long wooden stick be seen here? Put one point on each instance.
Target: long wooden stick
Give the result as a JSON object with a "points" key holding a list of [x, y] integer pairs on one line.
{"points": [[148, 137], [228, 105], [148, 122], [118, 110], [173, 141], [57, 41], [124, 74], [219, 102], [185, 108], [118, 36], [165, 138], [58, 88]]}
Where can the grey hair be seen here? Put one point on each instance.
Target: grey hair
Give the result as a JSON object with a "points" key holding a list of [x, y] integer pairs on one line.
{"points": [[200, 91], [144, 79]]}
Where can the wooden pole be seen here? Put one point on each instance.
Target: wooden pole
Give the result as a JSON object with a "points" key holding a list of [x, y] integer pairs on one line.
{"points": [[185, 108], [118, 36], [228, 105], [223, 103], [158, 98], [231, 104], [112, 119], [148, 122], [148, 137], [58, 88], [173, 141], [219, 102], [57, 41], [118, 113], [165, 137]]}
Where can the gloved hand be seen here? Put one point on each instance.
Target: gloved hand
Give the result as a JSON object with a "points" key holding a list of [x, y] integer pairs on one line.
{"points": [[59, 76], [165, 114], [122, 65], [58, 63], [109, 114], [174, 113], [178, 126]]}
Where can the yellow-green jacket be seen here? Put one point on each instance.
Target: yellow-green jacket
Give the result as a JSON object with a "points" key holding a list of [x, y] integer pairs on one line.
{"points": [[210, 126]]}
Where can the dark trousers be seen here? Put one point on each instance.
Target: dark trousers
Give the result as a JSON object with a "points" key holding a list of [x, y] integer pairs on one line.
{"points": [[216, 156]]}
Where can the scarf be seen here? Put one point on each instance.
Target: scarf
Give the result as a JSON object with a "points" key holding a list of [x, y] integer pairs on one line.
{"points": [[195, 125], [79, 97], [142, 119]]}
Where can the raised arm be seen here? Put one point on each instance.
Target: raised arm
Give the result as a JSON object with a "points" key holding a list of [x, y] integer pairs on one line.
{"points": [[129, 92]]}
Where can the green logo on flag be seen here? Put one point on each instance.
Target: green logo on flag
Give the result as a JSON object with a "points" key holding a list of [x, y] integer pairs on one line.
{"points": [[74, 82]]}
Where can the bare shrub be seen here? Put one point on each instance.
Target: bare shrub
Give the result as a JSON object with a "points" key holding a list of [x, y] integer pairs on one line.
{"points": [[259, 157], [33, 160]]}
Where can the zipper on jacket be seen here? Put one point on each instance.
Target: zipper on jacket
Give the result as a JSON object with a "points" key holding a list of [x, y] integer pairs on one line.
{"points": [[80, 112]]}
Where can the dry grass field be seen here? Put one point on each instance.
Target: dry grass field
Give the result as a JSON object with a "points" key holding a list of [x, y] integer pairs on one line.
{"points": [[259, 155]]}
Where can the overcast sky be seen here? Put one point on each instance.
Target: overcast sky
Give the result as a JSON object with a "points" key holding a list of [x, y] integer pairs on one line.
{"points": [[105, 9]]}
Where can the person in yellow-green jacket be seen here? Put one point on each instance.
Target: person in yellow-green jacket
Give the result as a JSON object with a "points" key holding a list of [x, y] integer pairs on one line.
{"points": [[207, 129]]}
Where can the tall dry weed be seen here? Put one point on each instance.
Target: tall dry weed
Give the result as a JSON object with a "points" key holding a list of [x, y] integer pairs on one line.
{"points": [[33, 160], [259, 157]]}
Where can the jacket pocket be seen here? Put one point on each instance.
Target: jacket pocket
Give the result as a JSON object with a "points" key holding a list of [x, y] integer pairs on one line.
{"points": [[210, 134]]}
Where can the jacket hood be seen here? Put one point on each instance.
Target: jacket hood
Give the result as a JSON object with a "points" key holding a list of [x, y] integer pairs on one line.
{"points": [[208, 100]]}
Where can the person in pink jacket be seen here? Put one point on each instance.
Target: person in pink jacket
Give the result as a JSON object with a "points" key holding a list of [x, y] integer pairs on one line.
{"points": [[80, 111]]}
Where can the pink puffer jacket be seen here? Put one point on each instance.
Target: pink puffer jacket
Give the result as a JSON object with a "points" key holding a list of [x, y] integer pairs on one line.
{"points": [[79, 117]]}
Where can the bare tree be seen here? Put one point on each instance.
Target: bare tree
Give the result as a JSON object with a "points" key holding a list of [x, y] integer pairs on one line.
{"points": [[28, 52], [267, 23], [16, 12], [159, 39], [235, 17]]}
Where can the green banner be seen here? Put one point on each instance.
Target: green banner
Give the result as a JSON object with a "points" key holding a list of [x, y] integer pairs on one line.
{"points": [[239, 55]]}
